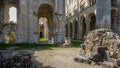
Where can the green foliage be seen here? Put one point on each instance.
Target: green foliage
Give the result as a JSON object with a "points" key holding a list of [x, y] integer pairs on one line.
{"points": [[77, 43]]}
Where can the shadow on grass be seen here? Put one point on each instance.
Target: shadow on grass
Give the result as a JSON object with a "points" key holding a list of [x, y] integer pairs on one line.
{"points": [[32, 48], [29, 46]]}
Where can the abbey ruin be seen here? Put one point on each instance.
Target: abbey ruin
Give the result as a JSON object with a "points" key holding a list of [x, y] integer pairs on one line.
{"points": [[56, 19]]}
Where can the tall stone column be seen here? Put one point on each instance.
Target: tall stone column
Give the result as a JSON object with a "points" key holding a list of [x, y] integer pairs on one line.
{"points": [[119, 16], [22, 26], [60, 19], [69, 29], [80, 30], [87, 25], [35, 29], [73, 33]]}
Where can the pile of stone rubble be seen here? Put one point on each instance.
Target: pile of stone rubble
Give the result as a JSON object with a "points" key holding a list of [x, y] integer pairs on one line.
{"points": [[13, 58], [101, 46]]}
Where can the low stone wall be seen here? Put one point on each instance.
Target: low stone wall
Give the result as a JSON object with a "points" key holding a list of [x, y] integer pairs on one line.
{"points": [[13, 58]]}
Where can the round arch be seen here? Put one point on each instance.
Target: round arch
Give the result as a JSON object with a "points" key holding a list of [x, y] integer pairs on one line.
{"points": [[8, 5], [92, 19], [46, 11], [9, 33]]}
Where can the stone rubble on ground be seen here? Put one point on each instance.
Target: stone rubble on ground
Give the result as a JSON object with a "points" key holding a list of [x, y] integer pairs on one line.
{"points": [[101, 46], [67, 42], [13, 58]]}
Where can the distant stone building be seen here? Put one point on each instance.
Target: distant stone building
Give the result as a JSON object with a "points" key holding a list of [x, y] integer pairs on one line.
{"points": [[35, 18], [85, 15]]}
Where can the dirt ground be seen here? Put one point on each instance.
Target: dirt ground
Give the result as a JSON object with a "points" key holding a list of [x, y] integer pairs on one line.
{"points": [[58, 58]]}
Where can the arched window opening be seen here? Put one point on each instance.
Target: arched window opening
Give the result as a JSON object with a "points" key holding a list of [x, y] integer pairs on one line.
{"points": [[92, 18], [13, 14]]}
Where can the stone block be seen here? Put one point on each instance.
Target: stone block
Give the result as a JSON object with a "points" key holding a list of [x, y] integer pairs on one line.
{"points": [[81, 59], [68, 40]]}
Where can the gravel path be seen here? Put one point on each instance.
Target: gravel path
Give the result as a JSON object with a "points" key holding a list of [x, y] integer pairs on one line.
{"points": [[58, 58]]}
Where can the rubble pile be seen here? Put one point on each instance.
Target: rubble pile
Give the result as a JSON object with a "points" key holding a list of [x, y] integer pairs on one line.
{"points": [[101, 46], [12, 58]]}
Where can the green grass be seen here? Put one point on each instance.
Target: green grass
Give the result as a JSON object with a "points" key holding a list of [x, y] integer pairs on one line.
{"points": [[43, 40], [76, 43]]}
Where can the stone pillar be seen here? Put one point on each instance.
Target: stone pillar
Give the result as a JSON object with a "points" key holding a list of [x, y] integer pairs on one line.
{"points": [[68, 29], [87, 25], [80, 30], [30, 23], [35, 29], [119, 16], [60, 19], [73, 33], [6, 13], [22, 26]]}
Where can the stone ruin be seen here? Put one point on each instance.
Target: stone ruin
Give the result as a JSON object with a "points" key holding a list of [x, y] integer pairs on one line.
{"points": [[101, 46], [14, 58]]}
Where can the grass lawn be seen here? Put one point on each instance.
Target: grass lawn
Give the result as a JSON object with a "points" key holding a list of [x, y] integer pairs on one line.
{"points": [[43, 40], [75, 43]]}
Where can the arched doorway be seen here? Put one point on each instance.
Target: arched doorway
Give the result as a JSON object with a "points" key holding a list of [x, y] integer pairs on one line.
{"points": [[114, 20], [10, 38], [92, 18], [83, 26], [45, 17], [43, 28]]}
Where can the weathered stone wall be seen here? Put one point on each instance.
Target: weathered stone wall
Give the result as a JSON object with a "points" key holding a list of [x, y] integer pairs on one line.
{"points": [[100, 8], [27, 18], [103, 13]]}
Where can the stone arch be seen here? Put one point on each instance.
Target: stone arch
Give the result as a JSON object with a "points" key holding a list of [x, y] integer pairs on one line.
{"points": [[92, 19], [8, 5], [46, 11], [9, 34], [114, 19], [82, 20]]}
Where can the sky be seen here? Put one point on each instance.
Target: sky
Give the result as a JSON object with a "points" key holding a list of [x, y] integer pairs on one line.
{"points": [[13, 14]]}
